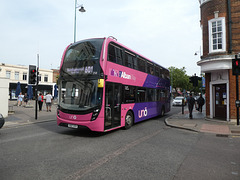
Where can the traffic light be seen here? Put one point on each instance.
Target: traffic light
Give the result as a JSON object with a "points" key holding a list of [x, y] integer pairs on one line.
{"points": [[194, 80], [236, 66], [32, 74], [191, 79]]}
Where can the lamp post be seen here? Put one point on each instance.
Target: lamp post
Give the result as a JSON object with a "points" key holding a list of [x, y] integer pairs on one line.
{"points": [[81, 10]]}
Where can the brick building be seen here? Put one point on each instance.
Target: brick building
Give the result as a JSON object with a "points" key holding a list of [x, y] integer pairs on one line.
{"points": [[220, 23]]}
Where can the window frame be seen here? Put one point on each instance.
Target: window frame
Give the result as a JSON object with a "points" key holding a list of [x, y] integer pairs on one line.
{"points": [[129, 95], [118, 54], [223, 33], [45, 78], [24, 76], [8, 74]]}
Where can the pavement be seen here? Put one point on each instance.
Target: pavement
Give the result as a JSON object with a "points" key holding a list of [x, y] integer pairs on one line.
{"points": [[25, 114], [200, 123]]}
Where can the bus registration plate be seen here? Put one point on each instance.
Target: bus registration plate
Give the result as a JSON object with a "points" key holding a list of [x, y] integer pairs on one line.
{"points": [[73, 126]]}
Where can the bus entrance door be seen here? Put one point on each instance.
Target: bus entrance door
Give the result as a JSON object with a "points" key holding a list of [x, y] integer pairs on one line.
{"points": [[112, 105]]}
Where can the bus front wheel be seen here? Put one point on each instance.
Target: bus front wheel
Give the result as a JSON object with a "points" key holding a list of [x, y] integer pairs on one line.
{"points": [[128, 120]]}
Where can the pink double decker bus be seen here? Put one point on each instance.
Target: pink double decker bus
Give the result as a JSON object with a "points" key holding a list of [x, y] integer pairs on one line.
{"points": [[103, 85]]}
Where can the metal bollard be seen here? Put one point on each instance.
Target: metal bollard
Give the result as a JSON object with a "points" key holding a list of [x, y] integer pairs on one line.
{"points": [[182, 106]]}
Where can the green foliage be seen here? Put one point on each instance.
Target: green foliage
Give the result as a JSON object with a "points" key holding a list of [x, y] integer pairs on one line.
{"points": [[179, 79]]}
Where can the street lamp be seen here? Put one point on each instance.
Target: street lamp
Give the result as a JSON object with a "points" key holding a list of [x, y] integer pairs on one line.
{"points": [[81, 10]]}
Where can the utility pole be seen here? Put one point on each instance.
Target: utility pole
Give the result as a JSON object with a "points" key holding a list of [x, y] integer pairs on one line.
{"points": [[36, 89]]}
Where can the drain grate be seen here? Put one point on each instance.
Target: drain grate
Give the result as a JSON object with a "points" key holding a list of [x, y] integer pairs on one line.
{"points": [[221, 135]]}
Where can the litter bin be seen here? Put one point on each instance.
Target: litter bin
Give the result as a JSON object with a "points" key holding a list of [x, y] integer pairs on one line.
{"points": [[2, 120]]}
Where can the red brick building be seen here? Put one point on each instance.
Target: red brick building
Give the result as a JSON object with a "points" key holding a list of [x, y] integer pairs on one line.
{"points": [[220, 23]]}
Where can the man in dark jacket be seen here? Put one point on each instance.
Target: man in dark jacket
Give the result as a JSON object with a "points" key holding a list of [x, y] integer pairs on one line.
{"points": [[191, 103], [200, 102]]}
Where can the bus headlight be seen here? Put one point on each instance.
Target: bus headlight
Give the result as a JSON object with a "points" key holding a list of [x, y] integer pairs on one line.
{"points": [[95, 114]]}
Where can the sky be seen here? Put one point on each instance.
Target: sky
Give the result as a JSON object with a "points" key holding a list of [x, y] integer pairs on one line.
{"points": [[165, 31]]}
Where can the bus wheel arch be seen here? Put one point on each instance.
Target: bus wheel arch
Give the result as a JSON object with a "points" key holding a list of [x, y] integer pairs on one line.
{"points": [[129, 120]]}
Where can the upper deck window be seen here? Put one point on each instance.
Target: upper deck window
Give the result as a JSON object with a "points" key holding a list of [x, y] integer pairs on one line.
{"points": [[141, 64], [130, 60], [115, 54]]}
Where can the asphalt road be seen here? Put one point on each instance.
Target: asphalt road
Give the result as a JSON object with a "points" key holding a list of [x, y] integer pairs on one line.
{"points": [[149, 150]]}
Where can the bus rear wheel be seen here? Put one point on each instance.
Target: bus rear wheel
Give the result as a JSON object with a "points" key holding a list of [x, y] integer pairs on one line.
{"points": [[128, 120], [162, 112]]}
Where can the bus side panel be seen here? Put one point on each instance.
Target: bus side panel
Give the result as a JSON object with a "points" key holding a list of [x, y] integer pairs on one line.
{"points": [[147, 110], [124, 75], [155, 82], [142, 111]]}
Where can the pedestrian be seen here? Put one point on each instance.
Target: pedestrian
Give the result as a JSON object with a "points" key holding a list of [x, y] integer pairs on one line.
{"points": [[48, 100], [20, 99], [200, 102], [40, 101], [191, 103], [25, 98]]}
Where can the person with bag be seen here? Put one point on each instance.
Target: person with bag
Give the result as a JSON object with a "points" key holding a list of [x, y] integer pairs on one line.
{"points": [[191, 103], [200, 102], [40, 101]]}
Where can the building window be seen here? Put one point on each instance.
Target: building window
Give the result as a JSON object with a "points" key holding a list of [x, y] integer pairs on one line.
{"points": [[46, 78], [24, 76], [8, 74], [217, 35], [16, 75], [39, 78]]}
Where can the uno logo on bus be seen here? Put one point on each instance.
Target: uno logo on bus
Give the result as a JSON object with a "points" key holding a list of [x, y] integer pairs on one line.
{"points": [[121, 74], [142, 113], [73, 117]]}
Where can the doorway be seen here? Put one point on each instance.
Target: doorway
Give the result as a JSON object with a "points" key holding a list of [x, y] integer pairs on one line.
{"points": [[113, 101], [220, 101]]}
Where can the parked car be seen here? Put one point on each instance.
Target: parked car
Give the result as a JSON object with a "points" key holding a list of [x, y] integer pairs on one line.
{"points": [[2, 120], [178, 101]]}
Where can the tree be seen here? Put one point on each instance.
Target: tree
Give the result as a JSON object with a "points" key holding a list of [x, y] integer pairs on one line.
{"points": [[179, 78]]}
